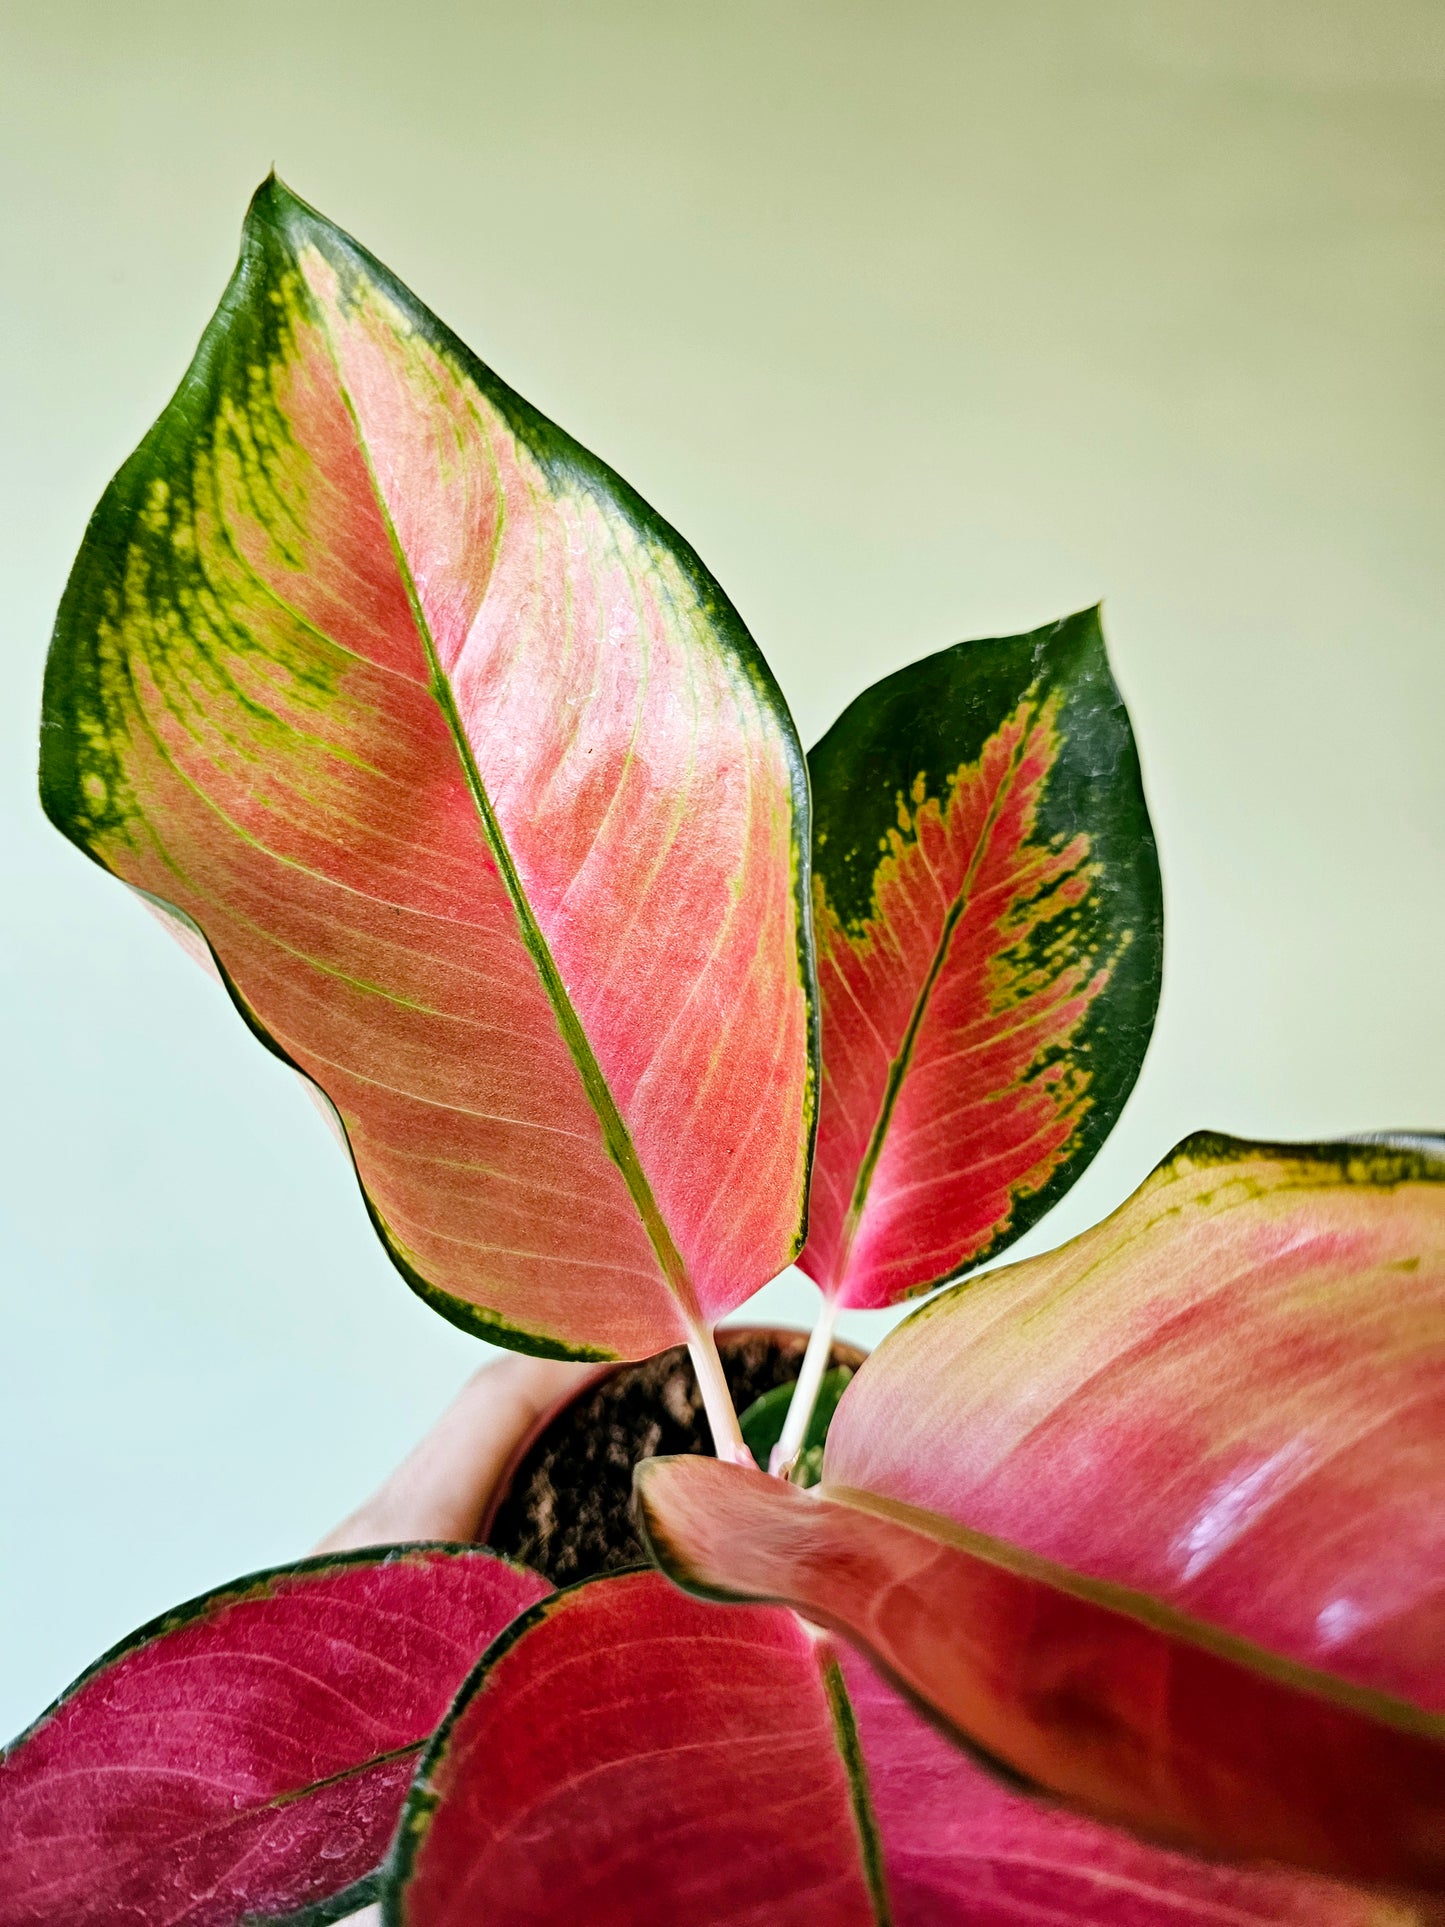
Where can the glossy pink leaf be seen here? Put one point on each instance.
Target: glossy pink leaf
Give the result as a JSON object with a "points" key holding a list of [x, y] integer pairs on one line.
{"points": [[469, 775], [1229, 1395], [245, 1758], [989, 931], [627, 1755], [1156, 1520]]}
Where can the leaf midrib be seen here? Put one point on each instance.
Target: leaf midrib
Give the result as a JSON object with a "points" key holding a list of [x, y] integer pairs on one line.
{"points": [[1158, 1615], [273, 1803], [900, 1064], [616, 1137], [860, 1790]]}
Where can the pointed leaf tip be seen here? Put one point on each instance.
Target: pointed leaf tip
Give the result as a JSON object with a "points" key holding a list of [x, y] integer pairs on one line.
{"points": [[272, 199], [479, 792], [989, 928]]}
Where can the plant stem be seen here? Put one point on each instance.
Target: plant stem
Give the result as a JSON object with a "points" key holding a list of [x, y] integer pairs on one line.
{"points": [[805, 1392], [722, 1418]]}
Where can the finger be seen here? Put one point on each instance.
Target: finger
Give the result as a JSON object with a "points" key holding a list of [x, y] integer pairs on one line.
{"points": [[441, 1489]]}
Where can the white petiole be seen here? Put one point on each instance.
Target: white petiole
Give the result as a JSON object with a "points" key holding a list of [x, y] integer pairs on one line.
{"points": [[722, 1418], [805, 1392]]}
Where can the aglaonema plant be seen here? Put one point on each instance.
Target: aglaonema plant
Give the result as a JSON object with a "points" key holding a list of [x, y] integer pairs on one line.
{"points": [[1118, 1600]]}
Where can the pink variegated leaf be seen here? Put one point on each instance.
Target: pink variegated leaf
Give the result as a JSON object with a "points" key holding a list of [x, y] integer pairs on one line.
{"points": [[989, 932], [626, 1756], [1156, 1522], [468, 775], [245, 1758]]}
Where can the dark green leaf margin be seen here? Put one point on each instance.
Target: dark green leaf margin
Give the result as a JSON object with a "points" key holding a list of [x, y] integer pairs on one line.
{"points": [[75, 768], [936, 715]]}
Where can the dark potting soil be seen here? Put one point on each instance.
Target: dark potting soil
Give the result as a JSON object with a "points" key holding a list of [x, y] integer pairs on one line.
{"points": [[568, 1512]]}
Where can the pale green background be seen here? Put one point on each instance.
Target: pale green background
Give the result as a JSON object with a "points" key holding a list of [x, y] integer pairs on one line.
{"points": [[922, 321]]}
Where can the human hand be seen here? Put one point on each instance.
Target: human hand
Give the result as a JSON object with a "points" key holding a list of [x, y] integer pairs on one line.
{"points": [[443, 1486]]}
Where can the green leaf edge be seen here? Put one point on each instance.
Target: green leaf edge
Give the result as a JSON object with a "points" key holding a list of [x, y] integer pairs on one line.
{"points": [[349, 1900], [253, 1585], [476, 1320], [422, 1800], [860, 1789], [1378, 1160], [275, 207], [1065, 654]]}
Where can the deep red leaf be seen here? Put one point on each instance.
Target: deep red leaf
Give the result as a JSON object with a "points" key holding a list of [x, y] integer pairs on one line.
{"points": [[246, 1757], [629, 1756]]}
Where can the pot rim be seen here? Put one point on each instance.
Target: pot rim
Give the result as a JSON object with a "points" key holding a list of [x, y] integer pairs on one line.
{"points": [[502, 1487]]}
